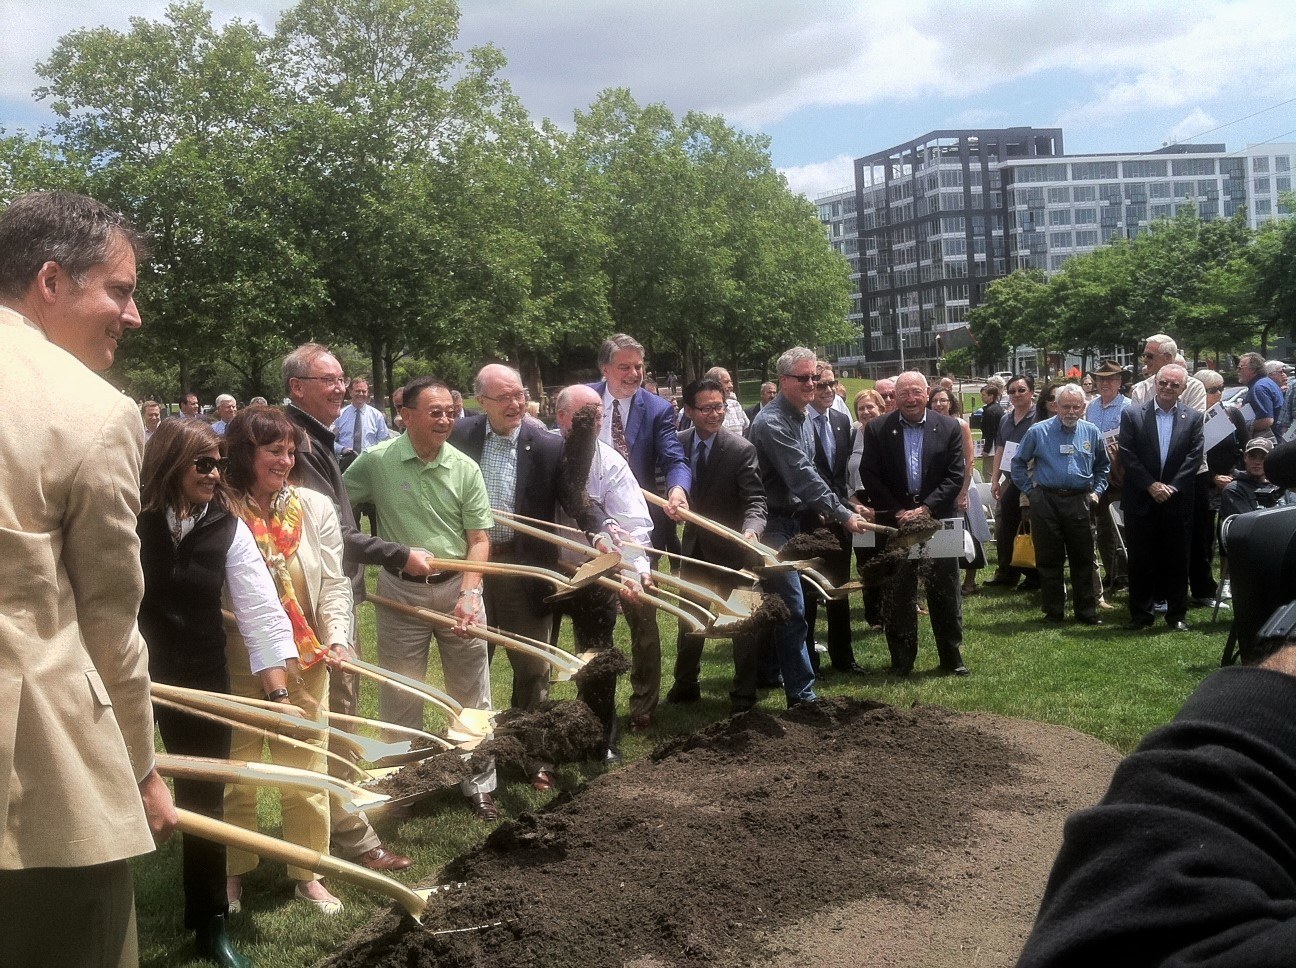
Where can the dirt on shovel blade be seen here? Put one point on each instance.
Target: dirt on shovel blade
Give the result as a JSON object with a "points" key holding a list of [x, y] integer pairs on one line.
{"points": [[562, 731], [820, 543], [716, 847], [596, 682], [768, 612]]}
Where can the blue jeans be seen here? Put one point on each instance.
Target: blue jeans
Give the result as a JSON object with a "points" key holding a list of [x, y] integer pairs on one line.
{"points": [[790, 637]]}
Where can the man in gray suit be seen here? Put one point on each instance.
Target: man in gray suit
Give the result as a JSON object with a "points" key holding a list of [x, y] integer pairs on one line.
{"points": [[727, 489]]}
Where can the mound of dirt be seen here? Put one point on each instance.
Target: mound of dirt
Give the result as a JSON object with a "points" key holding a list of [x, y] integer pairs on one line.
{"points": [[844, 832]]}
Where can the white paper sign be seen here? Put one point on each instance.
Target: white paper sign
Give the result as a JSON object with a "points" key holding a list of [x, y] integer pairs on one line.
{"points": [[945, 543], [1217, 426], [1005, 463]]}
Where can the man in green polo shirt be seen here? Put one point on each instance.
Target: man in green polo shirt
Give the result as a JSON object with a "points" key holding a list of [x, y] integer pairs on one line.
{"points": [[429, 495]]}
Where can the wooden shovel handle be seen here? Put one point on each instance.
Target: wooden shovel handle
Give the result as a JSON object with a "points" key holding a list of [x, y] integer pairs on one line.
{"points": [[297, 856], [715, 527]]}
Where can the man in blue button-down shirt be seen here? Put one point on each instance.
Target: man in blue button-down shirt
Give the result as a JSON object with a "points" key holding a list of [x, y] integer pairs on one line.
{"points": [[1066, 478]]}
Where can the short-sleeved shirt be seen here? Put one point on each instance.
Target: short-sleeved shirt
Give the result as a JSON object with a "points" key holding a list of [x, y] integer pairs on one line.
{"points": [[1265, 399], [1107, 417], [421, 504]]}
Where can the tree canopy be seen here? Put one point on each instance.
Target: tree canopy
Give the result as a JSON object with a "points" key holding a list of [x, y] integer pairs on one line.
{"points": [[354, 178]]}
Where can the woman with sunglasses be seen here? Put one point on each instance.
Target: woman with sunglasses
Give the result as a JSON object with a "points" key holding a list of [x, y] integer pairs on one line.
{"points": [[1012, 428], [191, 546], [298, 535]]}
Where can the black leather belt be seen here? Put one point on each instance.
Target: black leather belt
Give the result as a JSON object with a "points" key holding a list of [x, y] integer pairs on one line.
{"points": [[1064, 491], [438, 579]]}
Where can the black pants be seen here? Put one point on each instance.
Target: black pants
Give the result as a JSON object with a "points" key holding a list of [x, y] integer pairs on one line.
{"points": [[1201, 576], [836, 567], [1008, 522], [1158, 563], [1063, 533], [944, 603], [203, 861]]}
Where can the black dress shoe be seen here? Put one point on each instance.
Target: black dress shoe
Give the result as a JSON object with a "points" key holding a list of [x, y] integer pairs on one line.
{"points": [[1002, 582], [1054, 619], [1091, 620], [901, 671], [213, 944], [1029, 585], [684, 693], [1178, 626], [958, 670], [1139, 626], [854, 668], [769, 683]]}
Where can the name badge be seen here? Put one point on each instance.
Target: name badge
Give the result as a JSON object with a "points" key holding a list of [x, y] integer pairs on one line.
{"points": [[1066, 449]]}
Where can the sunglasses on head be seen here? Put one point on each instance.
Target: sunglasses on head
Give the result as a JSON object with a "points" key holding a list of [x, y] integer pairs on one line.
{"points": [[205, 465]]}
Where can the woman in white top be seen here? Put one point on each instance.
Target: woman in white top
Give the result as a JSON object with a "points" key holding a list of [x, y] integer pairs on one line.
{"points": [[298, 535], [941, 401]]}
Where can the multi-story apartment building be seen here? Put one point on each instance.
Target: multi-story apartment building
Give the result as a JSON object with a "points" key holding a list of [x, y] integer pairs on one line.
{"points": [[940, 217]]}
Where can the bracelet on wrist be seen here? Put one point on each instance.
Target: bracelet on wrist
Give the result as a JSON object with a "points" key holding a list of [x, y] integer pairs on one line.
{"points": [[277, 695]]}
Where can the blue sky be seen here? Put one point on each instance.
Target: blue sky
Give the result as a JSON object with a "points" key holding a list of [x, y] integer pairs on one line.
{"points": [[831, 80]]}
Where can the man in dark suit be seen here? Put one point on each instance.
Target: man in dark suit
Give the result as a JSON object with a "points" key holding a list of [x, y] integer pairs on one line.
{"points": [[768, 392], [1161, 449], [640, 426], [912, 468], [727, 489], [519, 463], [832, 449]]}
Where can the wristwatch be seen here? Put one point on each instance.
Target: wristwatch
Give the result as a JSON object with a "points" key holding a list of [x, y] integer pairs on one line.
{"points": [[277, 695]]}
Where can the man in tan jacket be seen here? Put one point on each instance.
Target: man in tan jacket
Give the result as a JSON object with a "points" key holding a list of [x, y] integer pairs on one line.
{"points": [[76, 726]]}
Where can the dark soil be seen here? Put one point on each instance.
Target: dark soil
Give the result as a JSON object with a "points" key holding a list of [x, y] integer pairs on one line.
{"points": [[577, 457], [820, 543], [596, 682], [558, 732], [720, 845], [769, 611]]}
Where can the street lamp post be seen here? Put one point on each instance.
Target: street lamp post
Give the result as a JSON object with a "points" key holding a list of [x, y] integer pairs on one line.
{"points": [[900, 336]]}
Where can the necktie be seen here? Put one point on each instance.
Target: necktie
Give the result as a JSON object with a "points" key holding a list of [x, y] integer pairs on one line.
{"points": [[699, 465], [358, 433], [825, 439], [618, 431]]}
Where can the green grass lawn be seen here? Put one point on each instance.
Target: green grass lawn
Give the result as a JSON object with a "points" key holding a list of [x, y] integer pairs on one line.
{"points": [[1112, 684]]}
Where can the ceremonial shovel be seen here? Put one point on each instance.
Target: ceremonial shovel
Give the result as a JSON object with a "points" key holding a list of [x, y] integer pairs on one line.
{"points": [[351, 798], [194, 824], [587, 574]]}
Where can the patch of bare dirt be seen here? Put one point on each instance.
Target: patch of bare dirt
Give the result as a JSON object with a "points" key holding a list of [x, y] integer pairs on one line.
{"points": [[846, 832]]}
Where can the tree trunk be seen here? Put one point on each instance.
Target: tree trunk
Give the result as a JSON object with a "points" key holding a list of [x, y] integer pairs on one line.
{"points": [[376, 370]]}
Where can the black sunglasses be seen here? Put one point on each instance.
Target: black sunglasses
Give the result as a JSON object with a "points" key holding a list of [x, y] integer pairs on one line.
{"points": [[802, 378], [205, 465]]}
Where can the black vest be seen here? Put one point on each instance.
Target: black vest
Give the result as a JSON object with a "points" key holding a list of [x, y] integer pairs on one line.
{"points": [[180, 616]]}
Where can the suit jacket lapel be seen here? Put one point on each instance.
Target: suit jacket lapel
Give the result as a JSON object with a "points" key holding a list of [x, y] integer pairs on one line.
{"points": [[523, 464], [638, 413]]}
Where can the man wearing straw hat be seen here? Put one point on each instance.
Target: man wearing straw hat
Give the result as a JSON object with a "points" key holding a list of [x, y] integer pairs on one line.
{"points": [[76, 725]]}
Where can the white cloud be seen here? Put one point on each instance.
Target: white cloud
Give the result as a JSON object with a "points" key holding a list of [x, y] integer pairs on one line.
{"points": [[1191, 127], [821, 177]]}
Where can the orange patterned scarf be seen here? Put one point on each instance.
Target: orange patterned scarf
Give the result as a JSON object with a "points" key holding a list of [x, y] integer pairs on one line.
{"points": [[278, 538]]}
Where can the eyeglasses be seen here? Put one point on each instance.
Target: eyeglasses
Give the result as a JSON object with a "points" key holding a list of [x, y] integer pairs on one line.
{"points": [[802, 378], [518, 396], [1020, 390], [711, 408], [436, 413], [823, 384], [887, 396], [205, 465], [333, 381], [1150, 356], [1169, 384]]}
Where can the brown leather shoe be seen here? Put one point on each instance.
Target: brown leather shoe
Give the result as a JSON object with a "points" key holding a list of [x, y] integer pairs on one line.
{"points": [[542, 780], [383, 860], [483, 807], [640, 723]]}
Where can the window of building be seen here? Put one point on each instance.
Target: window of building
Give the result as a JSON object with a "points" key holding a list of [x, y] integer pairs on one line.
{"points": [[1159, 190], [1231, 208], [1055, 262], [1085, 193], [1260, 185], [1260, 165], [951, 178], [1092, 170], [1135, 193], [1060, 240], [954, 247], [1160, 211], [1143, 169], [1060, 216], [1135, 214], [1263, 207], [1192, 166], [1085, 238], [1232, 167], [1282, 183], [1086, 216], [1282, 163], [1185, 189], [1059, 196]]}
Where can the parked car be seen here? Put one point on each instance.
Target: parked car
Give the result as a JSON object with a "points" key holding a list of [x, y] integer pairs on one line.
{"points": [[1233, 396]]}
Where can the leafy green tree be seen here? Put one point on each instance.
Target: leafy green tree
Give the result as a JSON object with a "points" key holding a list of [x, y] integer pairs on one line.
{"points": [[1016, 311]]}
